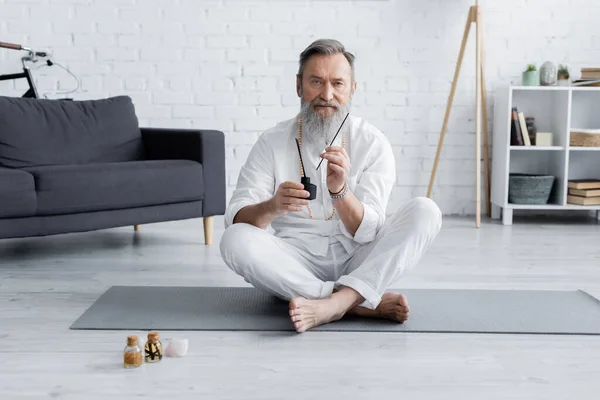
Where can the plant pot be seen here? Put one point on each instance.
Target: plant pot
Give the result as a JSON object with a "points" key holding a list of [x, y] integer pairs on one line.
{"points": [[529, 188], [531, 78], [564, 82]]}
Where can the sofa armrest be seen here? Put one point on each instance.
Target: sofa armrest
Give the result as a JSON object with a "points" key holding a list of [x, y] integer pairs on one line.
{"points": [[205, 146], [18, 197]]}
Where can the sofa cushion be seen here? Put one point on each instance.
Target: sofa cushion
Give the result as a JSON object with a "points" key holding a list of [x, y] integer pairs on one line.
{"points": [[49, 132], [111, 186], [17, 193]]}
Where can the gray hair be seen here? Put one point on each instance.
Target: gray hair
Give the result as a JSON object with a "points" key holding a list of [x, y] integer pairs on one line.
{"points": [[324, 47]]}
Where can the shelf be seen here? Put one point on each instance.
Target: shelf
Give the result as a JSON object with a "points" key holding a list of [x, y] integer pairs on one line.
{"points": [[584, 165], [551, 207], [584, 112], [558, 110], [585, 88], [575, 148], [542, 88], [556, 88], [549, 107], [537, 148]]}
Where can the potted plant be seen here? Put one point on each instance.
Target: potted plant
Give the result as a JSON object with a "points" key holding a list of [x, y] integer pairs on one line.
{"points": [[563, 75], [530, 76]]}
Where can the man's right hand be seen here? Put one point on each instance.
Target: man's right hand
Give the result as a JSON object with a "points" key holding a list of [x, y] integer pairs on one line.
{"points": [[290, 197]]}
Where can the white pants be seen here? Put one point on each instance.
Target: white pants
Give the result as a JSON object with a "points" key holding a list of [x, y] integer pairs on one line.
{"points": [[275, 266]]}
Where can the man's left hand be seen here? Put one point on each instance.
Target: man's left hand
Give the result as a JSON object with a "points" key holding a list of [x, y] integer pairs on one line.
{"points": [[338, 167]]}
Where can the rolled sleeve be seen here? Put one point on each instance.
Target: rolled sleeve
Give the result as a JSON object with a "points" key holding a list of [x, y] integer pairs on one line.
{"points": [[368, 228], [235, 207], [373, 190]]}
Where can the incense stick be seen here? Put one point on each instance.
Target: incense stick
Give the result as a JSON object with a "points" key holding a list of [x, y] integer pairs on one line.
{"points": [[333, 140], [300, 154]]}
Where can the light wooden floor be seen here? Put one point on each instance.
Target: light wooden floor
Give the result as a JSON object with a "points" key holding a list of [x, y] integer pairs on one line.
{"points": [[46, 283]]}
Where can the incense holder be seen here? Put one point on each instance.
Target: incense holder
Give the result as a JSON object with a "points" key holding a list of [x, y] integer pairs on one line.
{"points": [[309, 187]]}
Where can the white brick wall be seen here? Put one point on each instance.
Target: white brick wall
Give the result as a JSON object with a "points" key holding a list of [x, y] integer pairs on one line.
{"points": [[230, 65]]}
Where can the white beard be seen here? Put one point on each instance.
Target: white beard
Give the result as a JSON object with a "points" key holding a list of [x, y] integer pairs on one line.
{"points": [[319, 131]]}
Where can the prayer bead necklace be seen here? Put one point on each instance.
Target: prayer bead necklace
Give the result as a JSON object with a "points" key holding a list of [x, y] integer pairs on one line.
{"points": [[302, 169]]}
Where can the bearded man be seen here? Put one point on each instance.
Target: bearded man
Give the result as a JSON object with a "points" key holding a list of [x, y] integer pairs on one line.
{"points": [[339, 253]]}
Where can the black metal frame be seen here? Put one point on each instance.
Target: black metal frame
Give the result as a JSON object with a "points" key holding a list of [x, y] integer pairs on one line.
{"points": [[32, 91]]}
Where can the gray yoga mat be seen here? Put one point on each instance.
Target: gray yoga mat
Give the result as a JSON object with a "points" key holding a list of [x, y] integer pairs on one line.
{"points": [[432, 310]]}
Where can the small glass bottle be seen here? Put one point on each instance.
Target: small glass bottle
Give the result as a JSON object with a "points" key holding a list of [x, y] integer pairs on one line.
{"points": [[132, 355], [153, 349]]}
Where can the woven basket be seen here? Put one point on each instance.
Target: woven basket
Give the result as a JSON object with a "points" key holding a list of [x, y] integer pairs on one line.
{"points": [[585, 138], [529, 189]]}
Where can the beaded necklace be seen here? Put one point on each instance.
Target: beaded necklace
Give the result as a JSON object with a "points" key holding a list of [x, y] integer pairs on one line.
{"points": [[302, 169]]}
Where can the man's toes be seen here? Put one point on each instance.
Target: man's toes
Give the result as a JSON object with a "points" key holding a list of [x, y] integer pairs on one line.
{"points": [[403, 300], [403, 303], [296, 303], [400, 316], [299, 326]]}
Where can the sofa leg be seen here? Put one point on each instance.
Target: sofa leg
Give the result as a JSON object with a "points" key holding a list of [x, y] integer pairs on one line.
{"points": [[136, 228], [208, 229]]}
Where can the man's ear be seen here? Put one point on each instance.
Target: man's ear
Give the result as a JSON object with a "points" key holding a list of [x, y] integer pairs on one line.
{"points": [[354, 87], [298, 86]]}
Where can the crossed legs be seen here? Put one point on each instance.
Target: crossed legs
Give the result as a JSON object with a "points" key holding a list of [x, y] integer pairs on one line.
{"points": [[272, 265]]}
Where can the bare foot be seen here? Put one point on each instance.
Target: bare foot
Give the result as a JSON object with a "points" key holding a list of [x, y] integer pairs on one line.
{"points": [[393, 306], [307, 314]]}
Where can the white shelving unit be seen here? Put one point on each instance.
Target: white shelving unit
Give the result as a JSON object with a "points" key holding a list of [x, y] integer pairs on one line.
{"points": [[556, 109]]}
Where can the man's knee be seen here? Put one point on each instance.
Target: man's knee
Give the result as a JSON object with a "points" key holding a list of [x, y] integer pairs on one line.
{"points": [[429, 212], [243, 246], [425, 213], [236, 239], [428, 208]]}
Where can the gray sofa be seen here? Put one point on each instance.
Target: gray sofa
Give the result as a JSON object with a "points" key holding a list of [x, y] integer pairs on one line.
{"points": [[72, 166]]}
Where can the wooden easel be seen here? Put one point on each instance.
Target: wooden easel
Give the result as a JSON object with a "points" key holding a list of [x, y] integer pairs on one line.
{"points": [[481, 110]]}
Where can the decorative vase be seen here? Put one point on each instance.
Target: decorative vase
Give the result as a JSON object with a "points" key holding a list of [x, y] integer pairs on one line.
{"points": [[548, 74], [530, 78]]}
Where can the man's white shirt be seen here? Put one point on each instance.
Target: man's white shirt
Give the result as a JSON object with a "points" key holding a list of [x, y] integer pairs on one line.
{"points": [[274, 159]]}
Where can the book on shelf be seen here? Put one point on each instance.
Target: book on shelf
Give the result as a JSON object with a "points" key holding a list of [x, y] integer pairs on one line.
{"points": [[590, 73], [583, 201], [524, 131], [584, 184], [586, 82], [516, 137], [519, 135], [585, 192]]}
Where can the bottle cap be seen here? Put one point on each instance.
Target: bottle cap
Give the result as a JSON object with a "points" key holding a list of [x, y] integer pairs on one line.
{"points": [[132, 340], [153, 336]]}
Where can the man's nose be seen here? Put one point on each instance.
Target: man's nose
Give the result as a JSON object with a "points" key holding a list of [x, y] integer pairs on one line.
{"points": [[327, 92]]}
